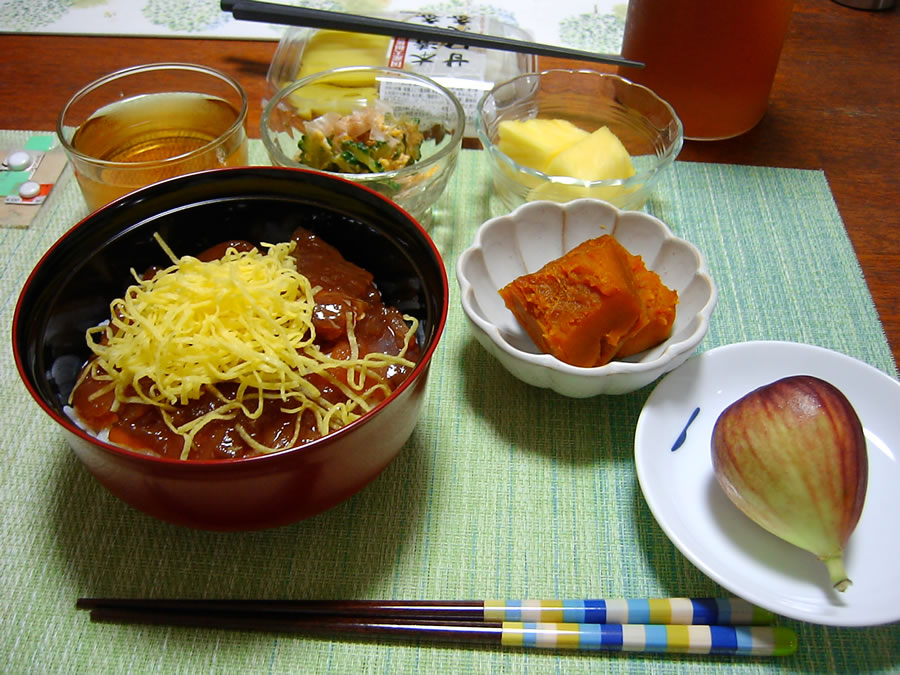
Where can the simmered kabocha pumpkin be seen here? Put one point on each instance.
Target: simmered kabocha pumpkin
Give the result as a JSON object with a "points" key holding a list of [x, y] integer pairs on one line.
{"points": [[592, 304]]}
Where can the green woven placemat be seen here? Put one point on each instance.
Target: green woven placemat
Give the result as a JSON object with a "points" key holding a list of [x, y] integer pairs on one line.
{"points": [[503, 491]]}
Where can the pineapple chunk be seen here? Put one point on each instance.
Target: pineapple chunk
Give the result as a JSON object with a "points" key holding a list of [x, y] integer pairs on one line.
{"points": [[600, 156], [535, 142], [559, 192]]}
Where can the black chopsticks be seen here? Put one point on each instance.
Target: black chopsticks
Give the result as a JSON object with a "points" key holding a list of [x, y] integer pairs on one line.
{"points": [[267, 12]]}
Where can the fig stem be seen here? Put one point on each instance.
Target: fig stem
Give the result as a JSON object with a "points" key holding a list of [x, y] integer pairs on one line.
{"points": [[836, 571]]}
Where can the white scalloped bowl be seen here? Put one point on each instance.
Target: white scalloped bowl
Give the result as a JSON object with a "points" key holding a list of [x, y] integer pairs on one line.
{"points": [[525, 240]]}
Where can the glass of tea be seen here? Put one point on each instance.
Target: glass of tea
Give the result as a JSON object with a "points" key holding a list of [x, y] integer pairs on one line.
{"points": [[713, 60], [143, 124]]}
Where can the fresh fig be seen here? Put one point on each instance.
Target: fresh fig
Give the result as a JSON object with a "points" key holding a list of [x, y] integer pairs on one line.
{"points": [[792, 456]]}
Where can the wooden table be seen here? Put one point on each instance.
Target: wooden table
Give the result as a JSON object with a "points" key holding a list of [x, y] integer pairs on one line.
{"points": [[835, 106]]}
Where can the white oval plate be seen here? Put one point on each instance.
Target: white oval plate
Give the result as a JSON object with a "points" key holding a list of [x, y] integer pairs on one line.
{"points": [[681, 490]]}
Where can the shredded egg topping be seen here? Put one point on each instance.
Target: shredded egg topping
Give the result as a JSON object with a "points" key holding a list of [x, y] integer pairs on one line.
{"points": [[245, 318]]}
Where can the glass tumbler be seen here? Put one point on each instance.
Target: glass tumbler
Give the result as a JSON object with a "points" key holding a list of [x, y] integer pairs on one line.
{"points": [[143, 124]]}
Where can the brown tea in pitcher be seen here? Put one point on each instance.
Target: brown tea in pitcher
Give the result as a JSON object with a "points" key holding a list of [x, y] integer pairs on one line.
{"points": [[148, 138]]}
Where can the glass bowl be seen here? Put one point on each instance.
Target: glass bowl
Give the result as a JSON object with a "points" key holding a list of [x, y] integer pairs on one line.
{"points": [[645, 124], [435, 110]]}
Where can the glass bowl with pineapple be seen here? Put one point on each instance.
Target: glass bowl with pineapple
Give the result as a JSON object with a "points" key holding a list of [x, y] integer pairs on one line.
{"points": [[562, 134], [394, 131]]}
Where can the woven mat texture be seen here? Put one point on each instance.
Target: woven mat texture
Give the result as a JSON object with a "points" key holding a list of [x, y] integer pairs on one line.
{"points": [[503, 490]]}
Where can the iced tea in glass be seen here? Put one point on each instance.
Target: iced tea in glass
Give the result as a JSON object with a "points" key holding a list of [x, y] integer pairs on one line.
{"points": [[712, 60], [144, 124]]}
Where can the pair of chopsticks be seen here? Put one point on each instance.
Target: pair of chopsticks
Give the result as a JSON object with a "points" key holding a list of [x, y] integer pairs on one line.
{"points": [[671, 625], [268, 12]]}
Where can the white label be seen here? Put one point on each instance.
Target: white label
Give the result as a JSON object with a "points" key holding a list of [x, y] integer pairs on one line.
{"points": [[459, 68]]}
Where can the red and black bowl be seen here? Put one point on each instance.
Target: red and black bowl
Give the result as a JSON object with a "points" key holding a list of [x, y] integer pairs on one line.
{"points": [[71, 287]]}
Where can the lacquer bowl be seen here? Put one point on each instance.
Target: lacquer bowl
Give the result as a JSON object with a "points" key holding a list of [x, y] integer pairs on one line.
{"points": [[71, 287]]}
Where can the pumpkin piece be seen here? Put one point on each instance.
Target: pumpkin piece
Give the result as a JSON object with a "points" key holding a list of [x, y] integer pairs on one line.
{"points": [[658, 303], [580, 307]]}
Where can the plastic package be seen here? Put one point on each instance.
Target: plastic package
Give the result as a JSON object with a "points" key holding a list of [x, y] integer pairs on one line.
{"points": [[467, 71]]}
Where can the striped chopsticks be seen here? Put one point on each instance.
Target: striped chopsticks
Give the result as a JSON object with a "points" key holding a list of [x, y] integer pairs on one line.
{"points": [[673, 625]]}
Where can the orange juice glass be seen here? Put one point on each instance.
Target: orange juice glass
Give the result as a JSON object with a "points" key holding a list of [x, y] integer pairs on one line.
{"points": [[712, 60]]}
